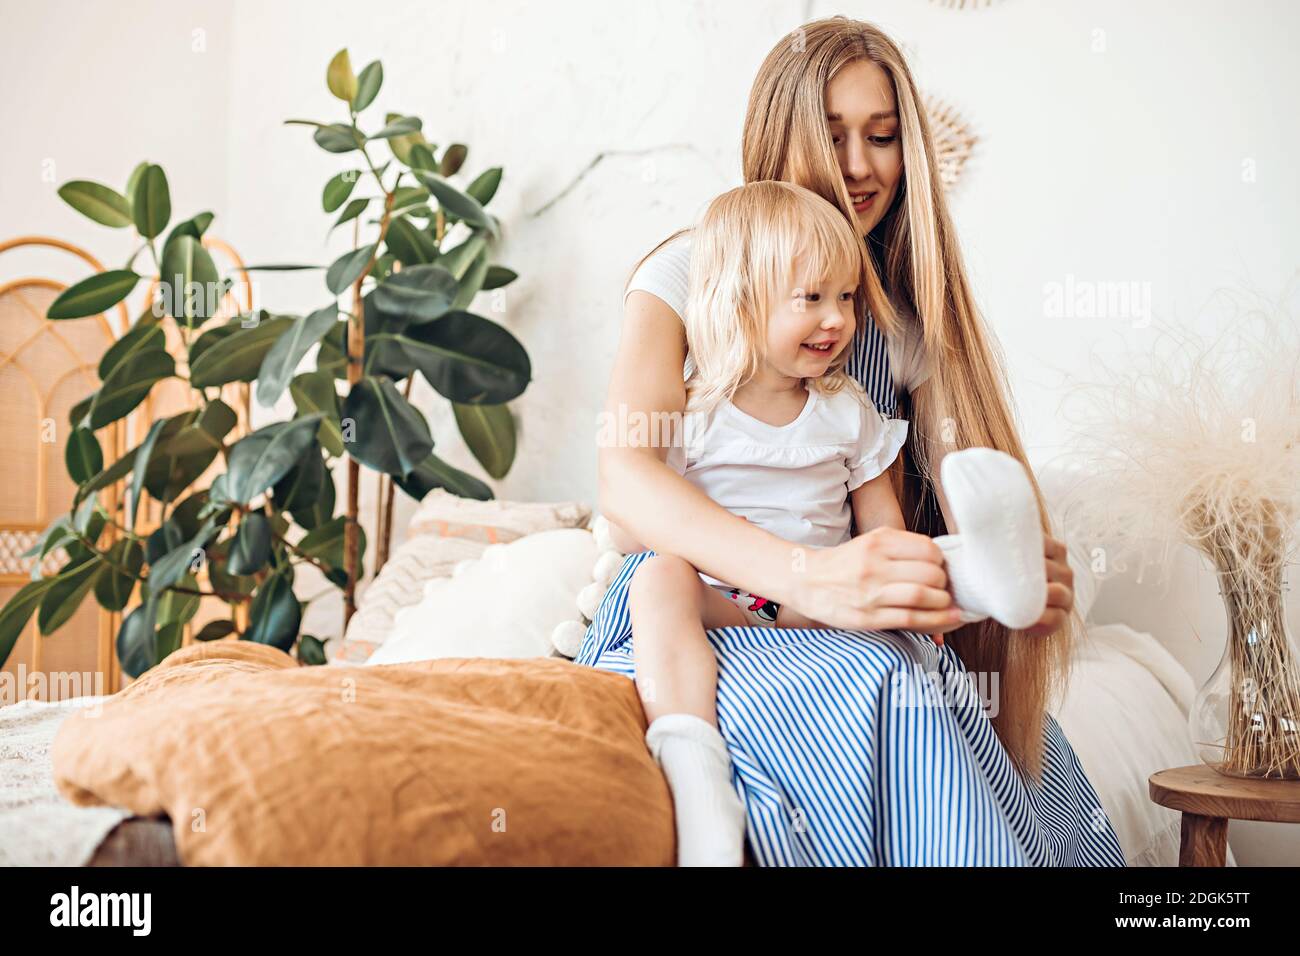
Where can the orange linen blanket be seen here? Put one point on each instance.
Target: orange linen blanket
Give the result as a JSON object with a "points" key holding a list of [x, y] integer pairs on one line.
{"points": [[472, 761]]}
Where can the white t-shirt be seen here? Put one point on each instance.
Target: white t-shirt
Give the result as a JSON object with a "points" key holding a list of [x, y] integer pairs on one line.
{"points": [[666, 273], [792, 480]]}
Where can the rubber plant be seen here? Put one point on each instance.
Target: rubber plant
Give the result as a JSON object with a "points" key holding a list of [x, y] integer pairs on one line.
{"points": [[393, 307]]}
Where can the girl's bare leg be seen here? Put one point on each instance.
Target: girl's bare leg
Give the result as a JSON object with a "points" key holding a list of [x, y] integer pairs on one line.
{"points": [[670, 608], [676, 675]]}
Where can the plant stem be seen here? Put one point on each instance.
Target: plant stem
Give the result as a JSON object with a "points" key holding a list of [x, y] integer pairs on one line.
{"points": [[356, 353]]}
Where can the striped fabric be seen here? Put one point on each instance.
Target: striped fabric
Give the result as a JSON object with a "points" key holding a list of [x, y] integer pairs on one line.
{"points": [[872, 748]]}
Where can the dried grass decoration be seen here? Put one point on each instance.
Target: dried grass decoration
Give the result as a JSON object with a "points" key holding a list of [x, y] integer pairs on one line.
{"points": [[1199, 442]]}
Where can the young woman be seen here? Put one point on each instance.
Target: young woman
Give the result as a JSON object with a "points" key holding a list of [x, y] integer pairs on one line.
{"points": [[837, 760]]}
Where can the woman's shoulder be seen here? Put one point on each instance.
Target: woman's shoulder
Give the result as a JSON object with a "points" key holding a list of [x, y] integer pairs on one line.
{"points": [[665, 272], [907, 355]]}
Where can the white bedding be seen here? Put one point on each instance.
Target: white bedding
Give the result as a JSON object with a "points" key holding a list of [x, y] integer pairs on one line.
{"points": [[37, 826], [1125, 713]]}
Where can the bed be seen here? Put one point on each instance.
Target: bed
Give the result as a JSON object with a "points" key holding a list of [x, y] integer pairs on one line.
{"points": [[1122, 679]]}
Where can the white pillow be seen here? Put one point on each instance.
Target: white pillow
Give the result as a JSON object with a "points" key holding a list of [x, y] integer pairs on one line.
{"points": [[505, 604]]}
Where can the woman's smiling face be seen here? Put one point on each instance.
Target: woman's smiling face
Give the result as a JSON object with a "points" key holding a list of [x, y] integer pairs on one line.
{"points": [[863, 121]]}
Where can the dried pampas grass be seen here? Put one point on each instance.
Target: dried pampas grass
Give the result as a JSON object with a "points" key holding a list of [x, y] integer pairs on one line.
{"points": [[1198, 442]]}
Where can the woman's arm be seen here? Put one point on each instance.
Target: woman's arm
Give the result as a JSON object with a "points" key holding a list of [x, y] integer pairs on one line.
{"points": [[885, 578]]}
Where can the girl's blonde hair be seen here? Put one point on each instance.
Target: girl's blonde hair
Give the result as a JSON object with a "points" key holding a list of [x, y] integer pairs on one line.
{"points": [[743, 255], [966, 401]]}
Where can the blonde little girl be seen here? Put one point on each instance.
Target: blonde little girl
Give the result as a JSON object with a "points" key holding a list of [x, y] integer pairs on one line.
{"points": [[776, 432]]}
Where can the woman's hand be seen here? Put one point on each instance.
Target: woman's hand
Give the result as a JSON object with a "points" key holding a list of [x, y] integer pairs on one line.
{"points": [[885, 579], [1060, 591]]}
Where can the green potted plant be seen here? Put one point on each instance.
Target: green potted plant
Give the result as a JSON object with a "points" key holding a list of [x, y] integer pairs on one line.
{"points": [[395, 306]]}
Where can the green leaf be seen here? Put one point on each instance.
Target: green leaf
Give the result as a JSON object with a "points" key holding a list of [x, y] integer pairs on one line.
{"points": [[410, 244], [215, 630], [433, 473], [326, 545], [202, 433], [144, 336], [187, 445], [355, 208], [153, 205], [139, 467], [83, 455], [455, 202], [92, 296], [471, 282], [302, 486], [194, 227], [402, 126], [489, 431], [106, 206], [252, 546], [282, 360], [340, 79], [338, 189], [128, 385], [276, 613], [259, 460], [132, 181], [484, 187], [458, 260], [186, 558], [178, 607], [18, 611], [348, 268], [421, 157], [314, 392], [136, 647], [453, 158], [420, 293], [498, 276], [402, 145], [117, 580], [337, 138], [234, 353], [368, 84], [389, 433], [64, 597], [311, 651], [468, 359], [189, 281]]}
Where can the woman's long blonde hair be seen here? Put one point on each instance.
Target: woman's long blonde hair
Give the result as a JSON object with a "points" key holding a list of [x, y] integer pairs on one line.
{"points": [[966, 401], [742, 254]]}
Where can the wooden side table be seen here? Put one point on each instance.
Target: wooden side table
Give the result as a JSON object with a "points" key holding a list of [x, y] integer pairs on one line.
{"points": [[1209, 799]]}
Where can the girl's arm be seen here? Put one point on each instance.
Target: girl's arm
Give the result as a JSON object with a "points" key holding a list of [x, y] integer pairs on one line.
{"points": [[883, 579], [875, 505]]}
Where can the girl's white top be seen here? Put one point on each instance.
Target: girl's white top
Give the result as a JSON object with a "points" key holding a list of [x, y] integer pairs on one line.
{"points": [[792, 480]]}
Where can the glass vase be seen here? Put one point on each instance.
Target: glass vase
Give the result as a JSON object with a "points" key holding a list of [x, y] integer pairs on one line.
{"points": [[1245, 721]]}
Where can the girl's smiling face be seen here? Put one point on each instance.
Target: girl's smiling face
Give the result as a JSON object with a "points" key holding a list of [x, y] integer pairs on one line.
{"points": [[811, 323], [863, 120]]}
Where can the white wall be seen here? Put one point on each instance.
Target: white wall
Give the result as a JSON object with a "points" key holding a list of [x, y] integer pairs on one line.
{"points": [[616, 123], [89, 91]]}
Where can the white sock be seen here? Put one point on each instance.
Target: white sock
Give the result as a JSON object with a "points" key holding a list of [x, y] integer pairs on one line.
{"points": [[710, 817], [995, 563]]}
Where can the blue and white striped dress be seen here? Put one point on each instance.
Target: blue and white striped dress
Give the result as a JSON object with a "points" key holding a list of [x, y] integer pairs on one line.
{"points": [[871, 748]]}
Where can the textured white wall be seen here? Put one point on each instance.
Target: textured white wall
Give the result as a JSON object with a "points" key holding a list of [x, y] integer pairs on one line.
{"points": [[1113, 141]]}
